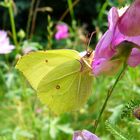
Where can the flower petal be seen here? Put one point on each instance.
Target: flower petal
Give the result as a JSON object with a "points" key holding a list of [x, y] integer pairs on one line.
{"points": [[103, 48], [62, 31], [113, 18], [61, 35], [105, 66], [5, 46], [62, 27], [134, 39], [3, 35], [119, 37], [130, 21], [84, 135], [134, 58]]}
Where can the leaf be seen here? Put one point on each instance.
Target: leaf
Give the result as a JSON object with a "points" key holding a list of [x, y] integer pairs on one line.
{"points": [[65, 128], [116, 132]]}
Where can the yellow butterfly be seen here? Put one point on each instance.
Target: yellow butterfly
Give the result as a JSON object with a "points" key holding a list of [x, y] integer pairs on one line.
{"points": [[62, 78]]}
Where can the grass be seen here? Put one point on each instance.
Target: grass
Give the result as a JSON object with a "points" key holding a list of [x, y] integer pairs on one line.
{"points": [[23, 117]]}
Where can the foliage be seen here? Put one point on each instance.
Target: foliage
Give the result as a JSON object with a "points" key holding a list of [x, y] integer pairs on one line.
{"points": [[23, 117], [116, 132]]}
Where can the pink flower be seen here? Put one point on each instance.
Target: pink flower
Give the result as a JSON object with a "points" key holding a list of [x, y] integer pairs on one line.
{"points": [[5, 46], [62, 31], [38, 110], [131, 20], [113, 47], [84, 135]]}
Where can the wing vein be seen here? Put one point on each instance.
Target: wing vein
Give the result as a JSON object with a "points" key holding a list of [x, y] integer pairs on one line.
{"points": [[78, 89], [71, 84], [66, 91], [63, 76]]}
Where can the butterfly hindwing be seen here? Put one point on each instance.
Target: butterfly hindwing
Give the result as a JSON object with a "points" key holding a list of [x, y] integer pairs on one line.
{"points": [[65, 88]]}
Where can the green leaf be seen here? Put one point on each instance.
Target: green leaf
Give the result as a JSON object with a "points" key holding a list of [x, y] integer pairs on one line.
{"points": [[65, 128], [116, 132]]}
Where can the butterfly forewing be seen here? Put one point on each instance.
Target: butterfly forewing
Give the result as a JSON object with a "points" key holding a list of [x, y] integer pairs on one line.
{"points": [[36, 65]]}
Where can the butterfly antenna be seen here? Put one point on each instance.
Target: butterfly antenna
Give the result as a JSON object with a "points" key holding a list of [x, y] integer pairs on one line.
{"points": [[90, 40], [87, 42]]}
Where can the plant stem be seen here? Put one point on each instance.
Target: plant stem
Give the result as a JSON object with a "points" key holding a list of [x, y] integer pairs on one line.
{"points": [[30, 18], [11, 14], [71, 9], [50, 33], [103, 9], [68, 10], [110, 91], [34, 18]]}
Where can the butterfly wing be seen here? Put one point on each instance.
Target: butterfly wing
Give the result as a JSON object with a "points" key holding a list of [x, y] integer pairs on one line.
{"points": [[65, 88], [36, 65]]}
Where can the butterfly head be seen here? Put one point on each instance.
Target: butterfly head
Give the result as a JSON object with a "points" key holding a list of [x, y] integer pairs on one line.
{"points": [[87, 58]]}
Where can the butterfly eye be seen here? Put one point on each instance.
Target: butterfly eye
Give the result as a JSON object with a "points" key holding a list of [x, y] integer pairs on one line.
{"points": [[88, 54], [136, 113]]}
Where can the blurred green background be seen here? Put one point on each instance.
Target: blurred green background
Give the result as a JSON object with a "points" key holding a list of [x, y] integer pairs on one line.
{"points": [[22, 116]]}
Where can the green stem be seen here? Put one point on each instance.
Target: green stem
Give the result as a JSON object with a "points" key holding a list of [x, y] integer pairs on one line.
{"points": [[71, 9], [30, 18], [50, 33], [110, 91], [13, 24], [68, 10], [34, 18], [103, 8]]}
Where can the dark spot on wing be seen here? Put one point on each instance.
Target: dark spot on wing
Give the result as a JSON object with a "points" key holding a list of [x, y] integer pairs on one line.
{"points": [[46, 61], [57, 86]]}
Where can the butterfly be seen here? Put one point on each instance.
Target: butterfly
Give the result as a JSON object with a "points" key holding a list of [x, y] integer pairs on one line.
{"points": [[62, 78]]}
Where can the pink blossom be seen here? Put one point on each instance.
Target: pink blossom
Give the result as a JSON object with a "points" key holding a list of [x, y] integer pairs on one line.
{"points": [[114, 39], [5, 46], [62, 31], [134, 58], [84, 135], [131, 20], [38, 110]]}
